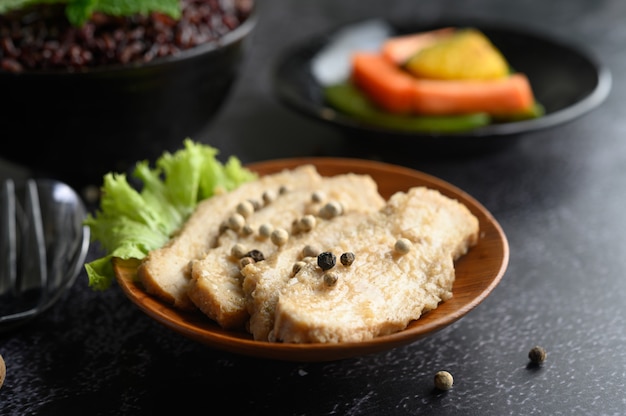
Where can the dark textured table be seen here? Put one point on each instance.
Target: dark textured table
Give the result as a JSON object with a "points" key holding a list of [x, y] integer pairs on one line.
{"points": [[559, 195]]}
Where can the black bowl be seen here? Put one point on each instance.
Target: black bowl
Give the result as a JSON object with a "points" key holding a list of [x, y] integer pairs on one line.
{"points": [[566, 79], [77, 126]]}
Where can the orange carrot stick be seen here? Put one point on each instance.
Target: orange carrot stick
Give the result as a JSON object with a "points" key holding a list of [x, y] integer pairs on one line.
{"points": [[500, 97], [388, 86], [396, 91]]}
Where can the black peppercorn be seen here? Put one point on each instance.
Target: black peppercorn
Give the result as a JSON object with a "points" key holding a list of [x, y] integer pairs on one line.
{"points": [[537, 355], [347, 258], [256, 255], [326, 260]]}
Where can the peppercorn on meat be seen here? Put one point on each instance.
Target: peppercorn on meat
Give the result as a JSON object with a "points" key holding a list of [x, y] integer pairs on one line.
{"points": [[216, 284], [166, 272], [263, 281], [388, 284]]}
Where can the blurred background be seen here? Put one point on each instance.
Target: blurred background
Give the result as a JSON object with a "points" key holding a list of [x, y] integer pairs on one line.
{"points": [[253, 125]]}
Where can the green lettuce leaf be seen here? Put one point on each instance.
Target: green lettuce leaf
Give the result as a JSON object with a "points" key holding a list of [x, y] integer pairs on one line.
{"points": [[9, 5], [79, 11], [131, 222]]}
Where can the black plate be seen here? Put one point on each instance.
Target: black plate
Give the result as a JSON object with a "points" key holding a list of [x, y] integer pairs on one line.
{"points": [[566, 80]]}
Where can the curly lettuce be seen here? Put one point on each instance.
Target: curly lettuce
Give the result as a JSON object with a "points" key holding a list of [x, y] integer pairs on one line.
{"points": [[130, 222], [79, 11]]}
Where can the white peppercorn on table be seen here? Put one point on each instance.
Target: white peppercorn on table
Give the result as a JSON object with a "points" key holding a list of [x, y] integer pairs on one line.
{"points": [[559, 195]]}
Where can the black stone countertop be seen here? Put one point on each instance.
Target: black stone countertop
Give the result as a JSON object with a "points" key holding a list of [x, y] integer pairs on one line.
{"points": [[559, 195]]}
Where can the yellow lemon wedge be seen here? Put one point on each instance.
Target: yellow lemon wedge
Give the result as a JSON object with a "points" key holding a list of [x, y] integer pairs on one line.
{"points": [[467, 54]]}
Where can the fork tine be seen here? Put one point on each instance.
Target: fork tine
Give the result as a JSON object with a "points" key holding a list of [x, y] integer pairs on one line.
{"points": [[29, 219], [8, 239], [33, 274]]}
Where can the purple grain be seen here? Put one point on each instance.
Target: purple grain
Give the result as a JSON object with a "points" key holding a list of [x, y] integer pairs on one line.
{"points": [[42, 38]]}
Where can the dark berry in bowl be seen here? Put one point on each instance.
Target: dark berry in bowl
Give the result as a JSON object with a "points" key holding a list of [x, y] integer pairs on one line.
{"points": [[81, 101]]}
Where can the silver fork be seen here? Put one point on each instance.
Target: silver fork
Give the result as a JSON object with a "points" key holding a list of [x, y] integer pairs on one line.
{"points": [[42, 247]]}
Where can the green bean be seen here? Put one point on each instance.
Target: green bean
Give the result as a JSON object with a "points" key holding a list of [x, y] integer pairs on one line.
{"points": [[348, 99]]}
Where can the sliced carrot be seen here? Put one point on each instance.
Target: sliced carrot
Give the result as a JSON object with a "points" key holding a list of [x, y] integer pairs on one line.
{"points": [[388, 86], [500, 97], [399, 49], [396, 91]]}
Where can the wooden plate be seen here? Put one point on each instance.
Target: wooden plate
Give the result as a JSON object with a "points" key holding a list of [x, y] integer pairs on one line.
{"points": [[477, 274]]}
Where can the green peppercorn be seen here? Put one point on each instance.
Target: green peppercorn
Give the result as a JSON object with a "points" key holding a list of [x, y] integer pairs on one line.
{"points": [[236, 222], [330, 279], [318, 196], [347, 258], [238, 251], [244, 261], [255, 204], [245, 208], [537, 355], [443, 380], [310, 251], [268, 197], [265, 230], [331, 210], [306, 223], [403, 246], [279, 236], [297, 266], [247, 230], [326, 260]]}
